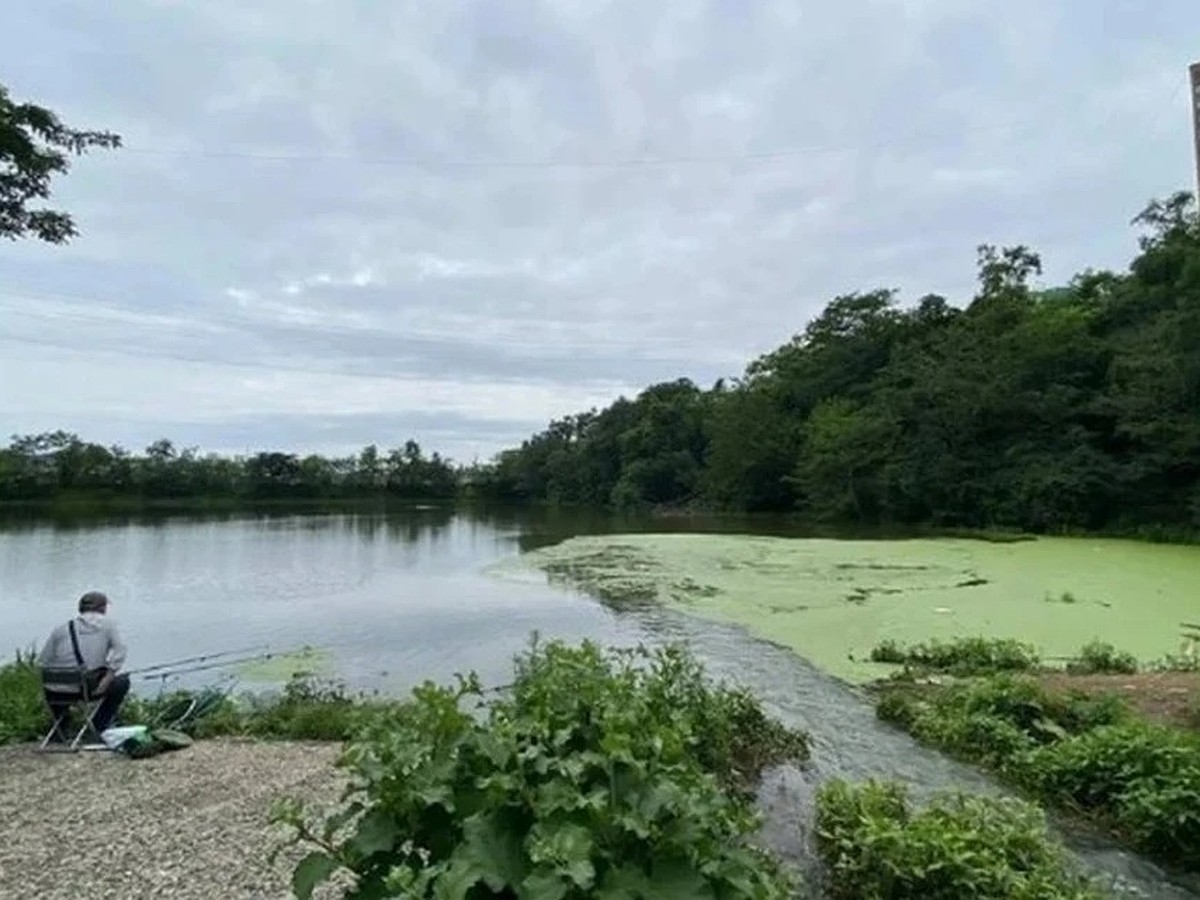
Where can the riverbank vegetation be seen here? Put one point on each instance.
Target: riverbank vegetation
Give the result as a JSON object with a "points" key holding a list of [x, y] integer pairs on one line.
{"points": [[966, 656], [875, 844], [1083, 752], [594, 770], [304, 708], [600, 774]]}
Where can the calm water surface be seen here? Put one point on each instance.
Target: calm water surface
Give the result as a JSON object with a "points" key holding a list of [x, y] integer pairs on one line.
{"points": [[400, 597], [394, 598]]}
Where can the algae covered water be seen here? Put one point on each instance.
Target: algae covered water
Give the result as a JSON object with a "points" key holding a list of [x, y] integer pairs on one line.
{"points": [[390, 599], [832, 600]]}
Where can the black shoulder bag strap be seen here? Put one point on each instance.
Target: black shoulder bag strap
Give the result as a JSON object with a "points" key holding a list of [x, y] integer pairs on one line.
{"points": [[75, 644], [93, 677]]}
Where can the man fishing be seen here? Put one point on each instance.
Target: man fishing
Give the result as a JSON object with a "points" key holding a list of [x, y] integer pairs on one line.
{"points": [[90, 641]]}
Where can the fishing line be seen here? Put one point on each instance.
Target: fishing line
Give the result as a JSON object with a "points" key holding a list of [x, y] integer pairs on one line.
{"points": [[164, 672], [198, 659]]}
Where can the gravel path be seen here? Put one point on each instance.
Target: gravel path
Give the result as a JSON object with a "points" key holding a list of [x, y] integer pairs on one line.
{"points": [[183, 825]]}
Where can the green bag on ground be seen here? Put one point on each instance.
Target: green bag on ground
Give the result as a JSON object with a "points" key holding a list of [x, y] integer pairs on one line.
{"points": [[153, 742]]}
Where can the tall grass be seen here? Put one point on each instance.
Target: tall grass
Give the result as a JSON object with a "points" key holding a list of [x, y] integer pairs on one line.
{"points": [[23, 713]]}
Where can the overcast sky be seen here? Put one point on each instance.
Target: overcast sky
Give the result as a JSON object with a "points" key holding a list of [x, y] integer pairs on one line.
{"points": [[339, 222]]}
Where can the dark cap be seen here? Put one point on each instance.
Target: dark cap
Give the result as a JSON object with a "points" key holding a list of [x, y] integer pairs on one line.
{"points": [[93, 601]]}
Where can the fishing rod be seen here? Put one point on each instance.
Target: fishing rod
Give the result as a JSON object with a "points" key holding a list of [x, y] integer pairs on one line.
{"points": [[196, 659], [164, 673]]}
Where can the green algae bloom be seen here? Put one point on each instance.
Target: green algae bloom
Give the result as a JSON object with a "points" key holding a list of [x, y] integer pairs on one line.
{"points": [[832, 600], [284, 666]]}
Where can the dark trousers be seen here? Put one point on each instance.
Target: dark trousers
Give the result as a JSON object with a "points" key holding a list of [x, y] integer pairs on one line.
{"points": [[105, 714]]}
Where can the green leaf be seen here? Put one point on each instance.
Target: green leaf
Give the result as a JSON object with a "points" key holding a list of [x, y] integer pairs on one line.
{"points": [[543, 886], [624, 883], [677, 880], [572, 846], [580, 871], [454, 883], [492, 844], [497, 750], [311, 871], [376, 833]]}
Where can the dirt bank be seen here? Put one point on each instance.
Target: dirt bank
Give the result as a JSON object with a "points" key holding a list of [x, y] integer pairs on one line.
{"points": [[191, 824], [1169, 698]]}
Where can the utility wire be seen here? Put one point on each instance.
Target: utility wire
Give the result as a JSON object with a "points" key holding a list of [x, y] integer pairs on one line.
{"points": [[1014, 126]]}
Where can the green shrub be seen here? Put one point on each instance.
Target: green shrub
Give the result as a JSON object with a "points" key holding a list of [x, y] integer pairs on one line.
{"points": [[889, 651], [962, 656], [1017, 702], [1081, 752], [1101, 658], [23, 714], [306, 709], [875, 846], [898, 707], [1145, 778], [600, 774]]}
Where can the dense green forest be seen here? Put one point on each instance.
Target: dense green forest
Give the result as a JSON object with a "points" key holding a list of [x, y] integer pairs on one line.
{"points": [[51, 466], [1071, 408]]}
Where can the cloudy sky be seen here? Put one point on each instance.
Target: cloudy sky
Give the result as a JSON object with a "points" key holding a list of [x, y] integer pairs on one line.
{"points": [[340, 222]]}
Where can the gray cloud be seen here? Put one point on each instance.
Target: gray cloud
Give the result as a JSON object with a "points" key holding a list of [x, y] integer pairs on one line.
{"points": [[374, 214]]}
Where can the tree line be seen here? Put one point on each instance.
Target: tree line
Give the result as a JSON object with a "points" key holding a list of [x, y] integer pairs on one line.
{"points": [[50, 466], [1076, 407]]}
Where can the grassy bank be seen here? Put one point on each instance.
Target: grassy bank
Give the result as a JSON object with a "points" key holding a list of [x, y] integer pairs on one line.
{"points": [[1086, 752]]}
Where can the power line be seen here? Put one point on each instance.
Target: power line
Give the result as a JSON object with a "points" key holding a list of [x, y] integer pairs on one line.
{"points": [[1024, 123], [1018, 126]]}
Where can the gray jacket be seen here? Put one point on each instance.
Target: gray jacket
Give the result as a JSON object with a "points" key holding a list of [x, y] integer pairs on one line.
{"points": [[100, 644]]}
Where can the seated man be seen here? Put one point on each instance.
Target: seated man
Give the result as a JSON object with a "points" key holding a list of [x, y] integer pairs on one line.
{"points": [[90, 641]]}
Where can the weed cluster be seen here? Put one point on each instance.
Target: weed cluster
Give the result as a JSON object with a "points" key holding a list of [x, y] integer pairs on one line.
{"points": [[601, 774], [962, 656], [23, 715], [305, 709], [1098, 658], [874, 845], [1085, 753]]}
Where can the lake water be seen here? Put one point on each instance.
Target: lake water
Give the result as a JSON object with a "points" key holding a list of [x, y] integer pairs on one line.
{"points": [[393, 598], [400, 597]]}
